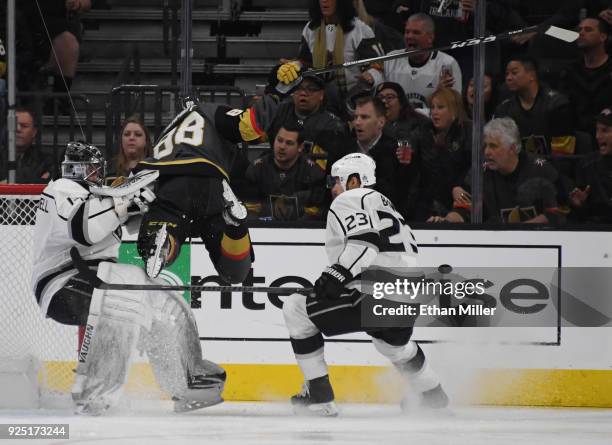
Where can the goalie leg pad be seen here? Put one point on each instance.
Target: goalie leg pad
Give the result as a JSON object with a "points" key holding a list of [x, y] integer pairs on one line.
{"points": [[113, 328], [173, 346]]}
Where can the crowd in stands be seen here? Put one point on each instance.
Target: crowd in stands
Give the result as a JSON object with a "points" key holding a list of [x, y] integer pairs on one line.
{"points": [[547, 138], [543, 124]]}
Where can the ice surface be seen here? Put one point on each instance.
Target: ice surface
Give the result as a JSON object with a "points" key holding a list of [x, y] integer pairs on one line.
{"points": [[235, 423]]}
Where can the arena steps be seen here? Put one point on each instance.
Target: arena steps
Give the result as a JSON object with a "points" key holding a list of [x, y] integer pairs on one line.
{"points": [[102, 45], [231, 47]]}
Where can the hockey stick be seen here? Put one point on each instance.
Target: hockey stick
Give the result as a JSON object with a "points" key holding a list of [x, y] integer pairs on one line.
{"points": [[96, 282], [559, 33]]}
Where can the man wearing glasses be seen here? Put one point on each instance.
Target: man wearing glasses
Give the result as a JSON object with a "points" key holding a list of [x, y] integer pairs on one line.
{"points": [[325, 135]]}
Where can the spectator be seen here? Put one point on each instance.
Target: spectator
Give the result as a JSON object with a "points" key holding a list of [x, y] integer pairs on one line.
{"points": [[544, 116], [33, 166], [588, 82], [135, 146], [368, 124], [289, 185], [423, 73], [591, 199], [563, 13], [388, 37], [403, 122], [518, 187], [2, 61], [333, 35], [454, 22], [406, 126], [490, 97], [61, 20], [451, 153], [325, 135]]}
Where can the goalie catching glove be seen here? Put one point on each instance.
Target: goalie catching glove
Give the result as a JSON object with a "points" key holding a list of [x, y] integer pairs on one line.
{"points": [[134, 204], [332, 282], [289, 72]]}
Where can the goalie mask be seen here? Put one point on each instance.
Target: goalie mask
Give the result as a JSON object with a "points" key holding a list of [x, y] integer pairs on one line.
{"points": [[84, 162], [353, 163]]}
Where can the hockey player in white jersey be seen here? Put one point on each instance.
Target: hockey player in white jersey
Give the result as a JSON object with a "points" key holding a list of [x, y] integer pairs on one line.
{"points": [[77, 235], [363, 231]]}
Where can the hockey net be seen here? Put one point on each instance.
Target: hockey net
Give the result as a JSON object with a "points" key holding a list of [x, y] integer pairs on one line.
{"points": [[24, 331]]}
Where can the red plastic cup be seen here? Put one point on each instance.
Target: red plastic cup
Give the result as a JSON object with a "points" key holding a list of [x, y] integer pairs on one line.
{"points": [[405, 150]]}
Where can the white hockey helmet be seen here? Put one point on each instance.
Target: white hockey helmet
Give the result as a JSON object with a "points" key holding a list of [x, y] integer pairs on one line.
{"points": [[84, 162], [355, 163]]}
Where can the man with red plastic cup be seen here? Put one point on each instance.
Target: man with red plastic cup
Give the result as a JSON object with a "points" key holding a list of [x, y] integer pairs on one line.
{"points": [[404, 151]]}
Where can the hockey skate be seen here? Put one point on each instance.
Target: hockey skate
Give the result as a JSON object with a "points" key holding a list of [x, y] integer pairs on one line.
{"points": [[91, 409], [433, 400], [316, 399], [235, 213], [159, 252], [87, 405], [203, 391]]}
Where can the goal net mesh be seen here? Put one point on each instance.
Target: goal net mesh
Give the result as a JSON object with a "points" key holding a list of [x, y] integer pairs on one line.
{"points": [[25, 332]]}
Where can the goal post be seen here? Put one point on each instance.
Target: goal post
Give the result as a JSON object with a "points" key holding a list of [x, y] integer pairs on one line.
{"points": [[37, 355]]}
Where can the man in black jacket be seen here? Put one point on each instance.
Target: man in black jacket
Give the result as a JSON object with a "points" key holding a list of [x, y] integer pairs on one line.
{"points": [[588, 81], [591, 200], [394, 180], [544, 116], [33, 166], [325, 135], [289, 185], [518, 187]]}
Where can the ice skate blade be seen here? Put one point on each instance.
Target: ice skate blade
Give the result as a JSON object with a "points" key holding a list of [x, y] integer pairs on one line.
{"points": [[416, 410], [185, 406], [155, 263], [328, 409], [235, 212], [90, 409]]}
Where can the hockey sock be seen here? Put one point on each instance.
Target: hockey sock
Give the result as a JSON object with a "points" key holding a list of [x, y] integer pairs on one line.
{"points": [[310, 357]]}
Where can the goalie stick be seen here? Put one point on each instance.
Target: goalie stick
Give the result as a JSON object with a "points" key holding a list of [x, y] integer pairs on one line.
{"points": [[96, 282], [553, 31]]}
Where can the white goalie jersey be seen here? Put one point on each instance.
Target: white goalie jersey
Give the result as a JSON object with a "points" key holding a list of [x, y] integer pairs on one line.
{"points": [[364, 230], [68, 215]]}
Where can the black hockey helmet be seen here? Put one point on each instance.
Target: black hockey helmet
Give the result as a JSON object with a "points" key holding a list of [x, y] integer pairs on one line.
{"points": [[84, 162]]}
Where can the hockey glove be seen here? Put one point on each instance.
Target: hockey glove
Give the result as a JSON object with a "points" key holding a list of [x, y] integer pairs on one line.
{"points": [[143, 198], [288, 72], [331, 284], [131, 205]]}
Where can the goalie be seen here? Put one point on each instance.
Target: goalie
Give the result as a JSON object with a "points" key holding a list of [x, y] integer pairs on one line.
{"points": [[79, 221]]}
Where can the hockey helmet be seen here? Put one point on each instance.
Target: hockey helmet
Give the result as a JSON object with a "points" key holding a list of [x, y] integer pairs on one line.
{"points": [[84, 162], [354, 163]]}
